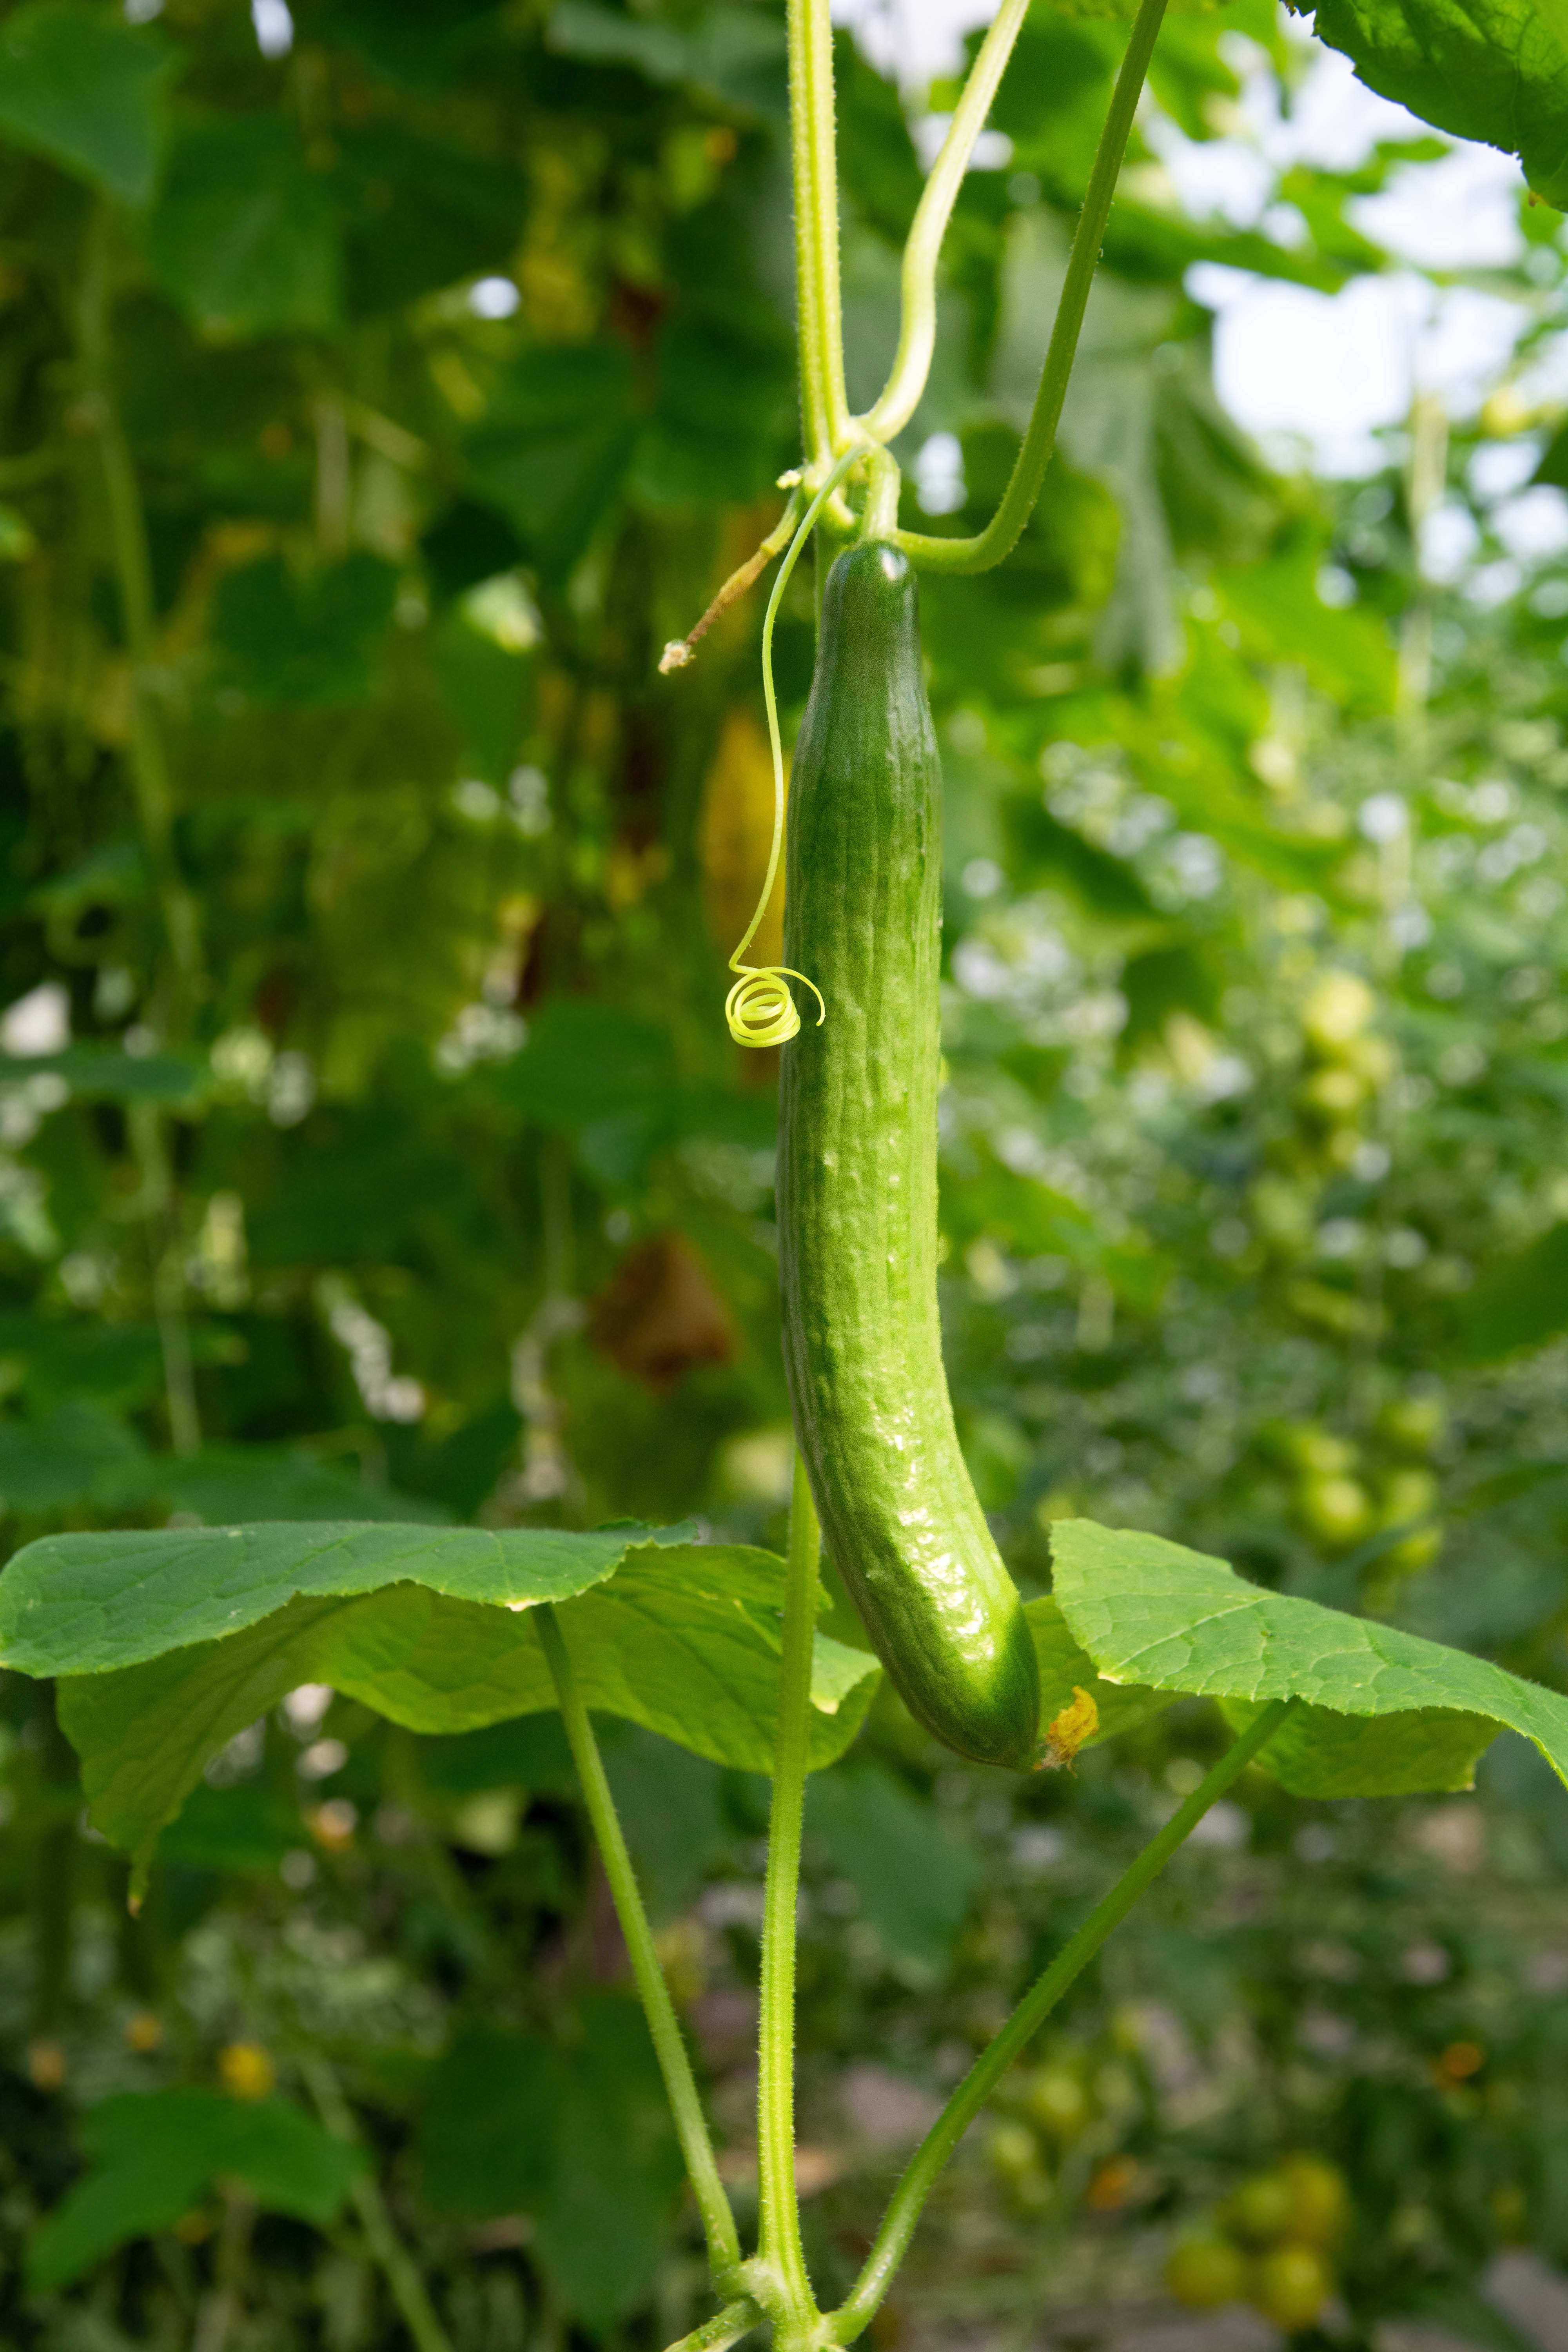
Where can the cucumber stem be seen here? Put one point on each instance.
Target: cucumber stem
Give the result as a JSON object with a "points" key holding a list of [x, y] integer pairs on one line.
{"points": [[825, 406], [674, 2065], [779, 2250], [1002, 533], [904, 2208]]}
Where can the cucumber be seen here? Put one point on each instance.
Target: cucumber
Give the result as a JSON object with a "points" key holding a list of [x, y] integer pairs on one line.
{"points": [[857, 1183]]}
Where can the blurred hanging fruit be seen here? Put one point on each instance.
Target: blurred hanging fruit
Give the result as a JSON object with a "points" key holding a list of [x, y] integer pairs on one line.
{"points": [[1290, 2286], [1204, 2273], [1058, 2101], [1414, 1426], [1337, 1010], [1320, 2200], [733, 835], [1013, 2150], [1336, 1512], [1258, 2213]]}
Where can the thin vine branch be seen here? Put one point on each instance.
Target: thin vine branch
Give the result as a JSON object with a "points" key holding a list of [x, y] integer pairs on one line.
{"points": [[1001, 534], [900, 396], [904, 2209], [680, 2087]]}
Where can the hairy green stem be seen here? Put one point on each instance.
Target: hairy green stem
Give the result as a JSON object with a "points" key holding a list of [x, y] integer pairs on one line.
{"points": [[780, 2250], [396, 2264], [680, 2087], [1001, 534], [725, 2327], [900, 394], [904, 2209], [825, 408]]}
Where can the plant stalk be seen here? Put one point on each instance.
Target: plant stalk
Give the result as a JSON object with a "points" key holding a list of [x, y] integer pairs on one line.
{"points": [[825, 406], [396, 2264], [680, 2087], [904, 2208], [1001, 534], [900, 394], [780, 2249]]}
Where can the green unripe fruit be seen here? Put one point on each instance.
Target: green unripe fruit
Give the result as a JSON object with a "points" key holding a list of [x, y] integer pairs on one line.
{"points": [[1332, 1095], [1336, 1512], [857, 1183], [1290, 2286], [1058, 2101], [1413, 1425], [1204, 2273], [1320, 2200], [1258, 2213], [1013, 2150]]}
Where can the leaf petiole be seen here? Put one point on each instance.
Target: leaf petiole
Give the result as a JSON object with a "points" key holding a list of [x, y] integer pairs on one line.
{"points": [[674, 2065]]}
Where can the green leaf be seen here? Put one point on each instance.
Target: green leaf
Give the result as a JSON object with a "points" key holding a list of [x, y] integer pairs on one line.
{"points": [[153, 2156], [82, 89], [733, 54], [244, 234], [1520, 1301], [1385, 1713], [105, 1074], [681, 1638], [84, 1604], [230, 1485], [1065, 1669], [1491, 70], [576, 2135], [553, 449], [78, 1455], [310, 637], [914, 1873]]}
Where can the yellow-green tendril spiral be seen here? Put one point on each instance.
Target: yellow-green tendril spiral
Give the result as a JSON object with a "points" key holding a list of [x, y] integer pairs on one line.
{"points": [[759, 1008]]}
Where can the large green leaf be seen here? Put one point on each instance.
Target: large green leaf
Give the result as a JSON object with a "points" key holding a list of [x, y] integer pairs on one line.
{"points": [[682, 1638], [81, 89], [1491, 70], [84, 1604], [1520, 1301], [153, 2156], [1385, 1713]]}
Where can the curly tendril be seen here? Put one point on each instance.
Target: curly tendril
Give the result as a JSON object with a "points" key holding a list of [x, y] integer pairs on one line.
{"points": [[759, 1008]]}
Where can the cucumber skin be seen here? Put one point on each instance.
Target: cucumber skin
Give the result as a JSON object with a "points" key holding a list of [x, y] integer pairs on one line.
{"points": [[857, 1183]]}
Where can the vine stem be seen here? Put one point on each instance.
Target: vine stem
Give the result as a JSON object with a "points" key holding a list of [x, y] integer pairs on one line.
{"points": [[780, 2252], [825, 406], [900, 394], [1002, 533], [147, 754], [387, 2249], [908, 2199], [674, 2065]]}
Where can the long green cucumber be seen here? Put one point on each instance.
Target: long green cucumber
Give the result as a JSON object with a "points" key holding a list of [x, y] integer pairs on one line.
{"points": [[857, 1186]]}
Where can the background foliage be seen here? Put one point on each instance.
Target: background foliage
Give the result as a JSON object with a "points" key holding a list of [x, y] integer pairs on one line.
{"points": [[378, 402]]}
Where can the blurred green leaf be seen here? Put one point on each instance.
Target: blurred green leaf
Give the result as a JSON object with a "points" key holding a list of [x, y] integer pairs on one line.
{"points": [[76, 1455], [81, 86], [575, 2134], [244, 234], [106, 1074], [1518, 1302], [152, 2156], [552, 448], [915, 1875]]}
